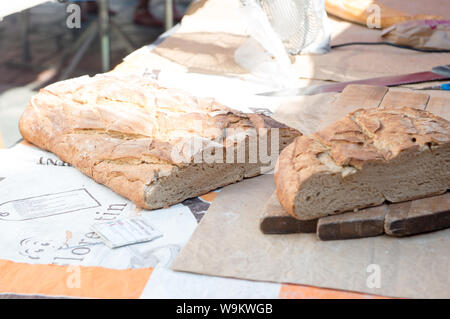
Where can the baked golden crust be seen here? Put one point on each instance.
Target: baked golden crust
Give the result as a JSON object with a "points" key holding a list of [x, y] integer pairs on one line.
{"points": [[123, 130], [366, 137], [361, 11]]}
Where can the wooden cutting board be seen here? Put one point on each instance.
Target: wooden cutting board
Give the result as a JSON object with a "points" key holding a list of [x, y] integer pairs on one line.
{"points": [[400, 219]]}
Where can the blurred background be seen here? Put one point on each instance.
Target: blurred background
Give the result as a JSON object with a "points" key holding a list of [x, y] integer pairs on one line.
{"points": [[37, 47]]}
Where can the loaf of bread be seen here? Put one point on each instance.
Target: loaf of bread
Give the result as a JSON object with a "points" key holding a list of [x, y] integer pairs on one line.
{"points": [[368, 157], [364, 12], [153, 145]]}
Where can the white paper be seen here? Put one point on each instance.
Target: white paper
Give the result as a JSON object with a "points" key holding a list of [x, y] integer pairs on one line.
{"points": [[235, 92], [168, 284], [47, 209], [123, 232], [62, 235], [47, 205]]}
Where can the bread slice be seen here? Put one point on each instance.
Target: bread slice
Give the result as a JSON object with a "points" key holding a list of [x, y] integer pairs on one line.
{"points": [[368, 157], [153, 145]]}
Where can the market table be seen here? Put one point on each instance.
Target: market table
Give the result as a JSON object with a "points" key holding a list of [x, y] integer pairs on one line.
{"points": [[200, 51], [124, 274]]}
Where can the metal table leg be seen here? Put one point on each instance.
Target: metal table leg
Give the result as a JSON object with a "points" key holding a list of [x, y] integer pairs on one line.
{"points": [[168, 22], [81, 46], [104, 34], [82, 43], [127, 42]]}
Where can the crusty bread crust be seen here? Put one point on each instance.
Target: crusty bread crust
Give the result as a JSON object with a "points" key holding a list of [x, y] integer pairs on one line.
{"points": [[360, 11], [122, 131], [367, 157]]}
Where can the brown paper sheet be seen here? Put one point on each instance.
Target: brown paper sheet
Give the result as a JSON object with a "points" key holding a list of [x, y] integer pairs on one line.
{"points": [[228, 243], [213, 30], [420, 34], [311, 113], [362, 11], [361, 61], [417, 266]]}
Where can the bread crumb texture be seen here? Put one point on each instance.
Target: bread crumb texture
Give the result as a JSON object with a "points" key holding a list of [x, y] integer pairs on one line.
{"points": [[364, 159], [122, 131]]}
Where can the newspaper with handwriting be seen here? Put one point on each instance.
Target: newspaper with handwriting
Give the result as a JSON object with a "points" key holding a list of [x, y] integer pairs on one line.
{"points": [[48, 208], [48, 211]]}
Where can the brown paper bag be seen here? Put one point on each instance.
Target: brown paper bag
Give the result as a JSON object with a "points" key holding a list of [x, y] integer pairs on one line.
{"points": [[425, 34]]}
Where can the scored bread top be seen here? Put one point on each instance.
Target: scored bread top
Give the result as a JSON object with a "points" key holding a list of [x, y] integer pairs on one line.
{"points": [[121, 130], [346, 146], [146, 117], [381, 134]]}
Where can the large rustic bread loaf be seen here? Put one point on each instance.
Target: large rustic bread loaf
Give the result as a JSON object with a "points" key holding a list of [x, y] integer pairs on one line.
{"points": [[368, 157], [146, 142]]}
